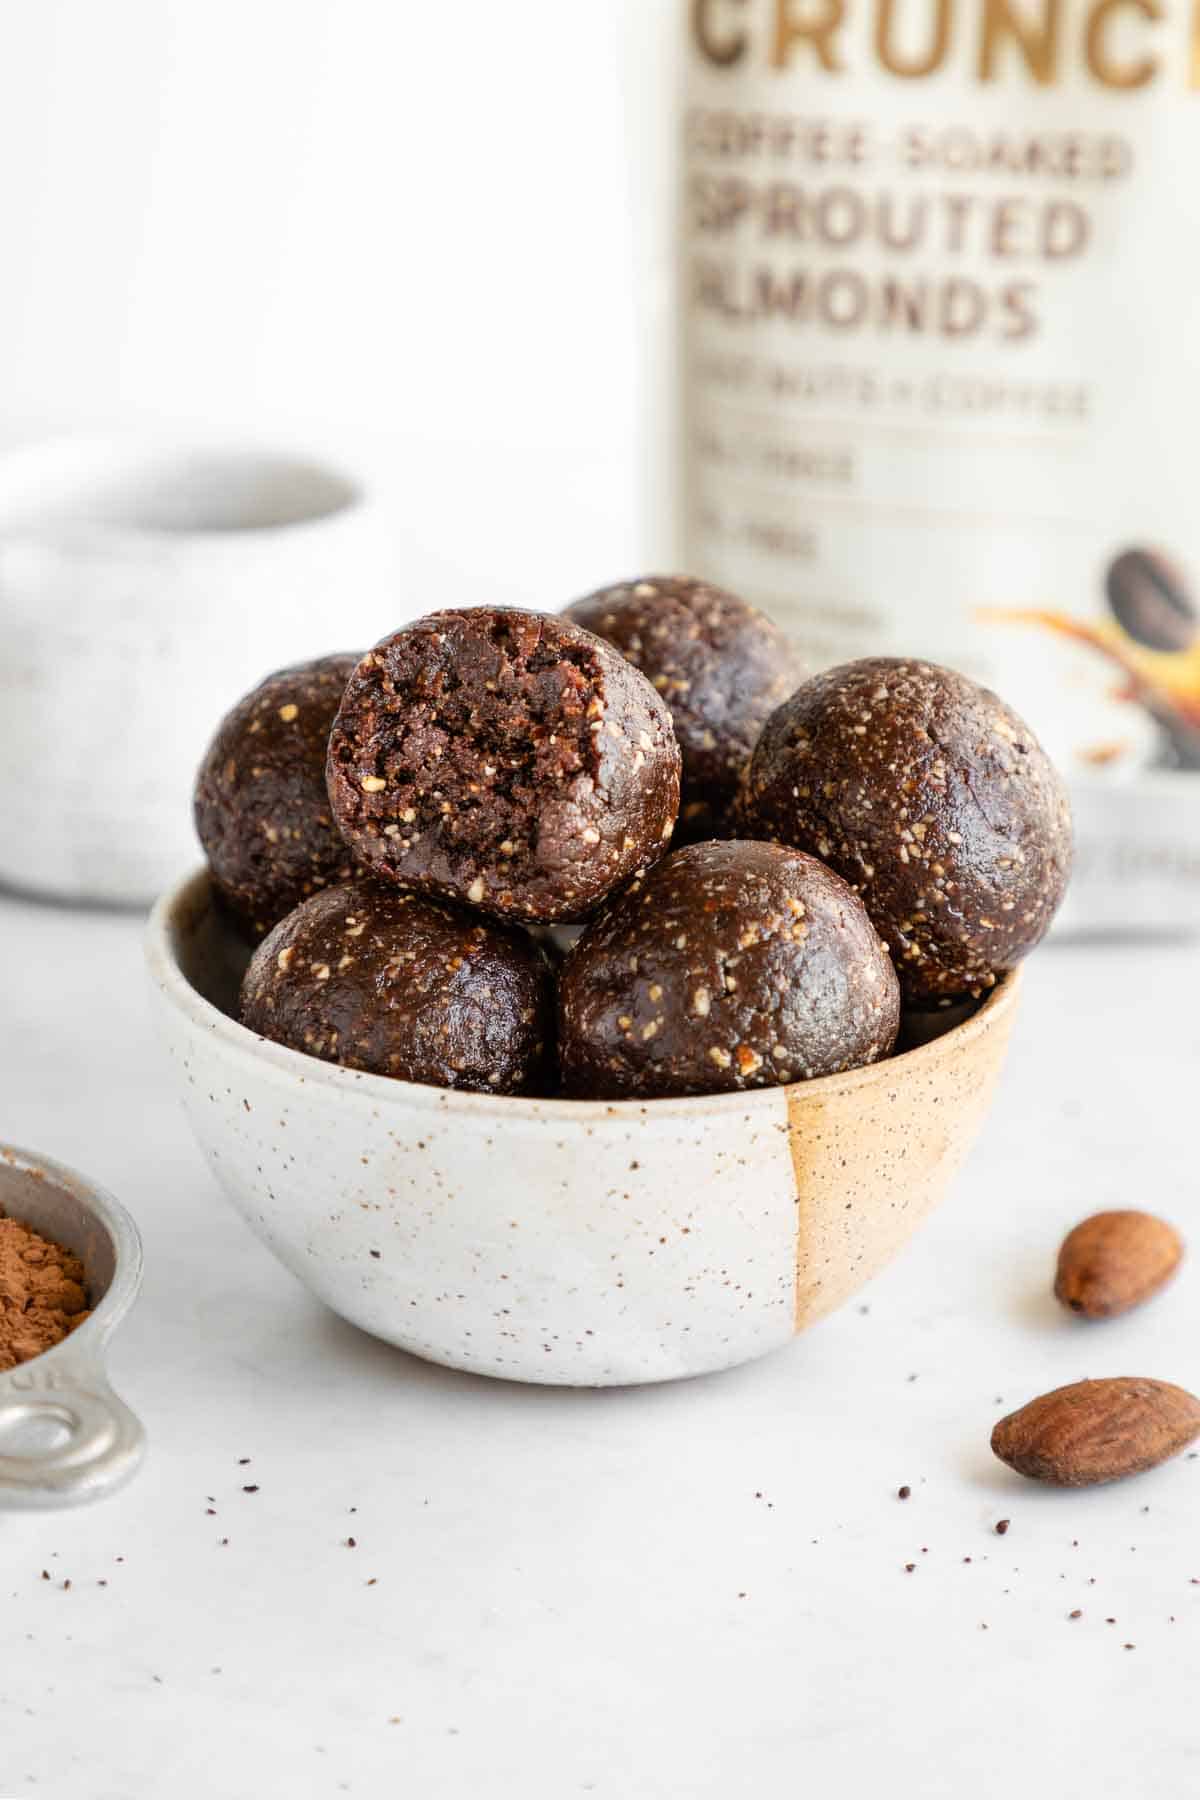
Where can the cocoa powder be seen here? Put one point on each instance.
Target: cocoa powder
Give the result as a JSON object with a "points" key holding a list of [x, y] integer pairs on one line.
{"points": [[42, 1296]]}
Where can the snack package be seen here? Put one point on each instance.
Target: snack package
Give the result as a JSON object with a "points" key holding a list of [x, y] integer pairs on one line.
{"points": [[940, 370]]}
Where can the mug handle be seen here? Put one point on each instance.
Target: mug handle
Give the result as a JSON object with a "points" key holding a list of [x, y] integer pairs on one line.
{"points": [[103, 1445]]}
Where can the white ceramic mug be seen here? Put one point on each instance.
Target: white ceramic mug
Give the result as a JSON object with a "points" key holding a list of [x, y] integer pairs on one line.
{"points": [[144, 587]]}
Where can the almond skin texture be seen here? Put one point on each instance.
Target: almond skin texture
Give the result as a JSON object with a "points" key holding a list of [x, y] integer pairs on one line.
{"points": [[1097, 1431], [1115, 1260]]}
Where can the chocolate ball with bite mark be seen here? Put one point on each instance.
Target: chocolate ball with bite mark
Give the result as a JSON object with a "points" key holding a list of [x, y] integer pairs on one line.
{"points": [[261, 804], [728, 966], [721, 666], [934, 800], [509, 760], [396, 984]]}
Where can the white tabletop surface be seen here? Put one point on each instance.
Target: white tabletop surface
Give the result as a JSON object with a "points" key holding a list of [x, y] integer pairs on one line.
{"points": [[677, 1591]]}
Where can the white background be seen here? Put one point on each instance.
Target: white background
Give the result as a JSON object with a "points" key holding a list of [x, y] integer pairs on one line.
{"points": [[583, 1593], [419, 230]]}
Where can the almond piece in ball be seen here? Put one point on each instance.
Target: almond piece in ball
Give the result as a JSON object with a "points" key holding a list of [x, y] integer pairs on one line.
{"points": [[261, 805], [728, 966], [396, 984], [934, 800], [721, 666], [508, 760]]}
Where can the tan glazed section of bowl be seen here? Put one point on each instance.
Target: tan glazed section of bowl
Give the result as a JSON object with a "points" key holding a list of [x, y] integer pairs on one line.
{"points": [[874, 1153], [564, 1241]]}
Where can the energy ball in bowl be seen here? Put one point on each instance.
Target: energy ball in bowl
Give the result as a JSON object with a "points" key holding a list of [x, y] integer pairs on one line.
{"points": [[393, 983], [728, 966], [506, 759], [934, 800], [721, 666], [261, 805]]}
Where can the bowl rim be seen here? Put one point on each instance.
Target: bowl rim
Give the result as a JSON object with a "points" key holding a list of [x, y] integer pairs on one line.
{"points": [[387, 1090]]}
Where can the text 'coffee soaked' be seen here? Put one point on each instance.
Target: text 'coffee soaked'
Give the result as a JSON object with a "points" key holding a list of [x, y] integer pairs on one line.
{"points": [[941, 366]]}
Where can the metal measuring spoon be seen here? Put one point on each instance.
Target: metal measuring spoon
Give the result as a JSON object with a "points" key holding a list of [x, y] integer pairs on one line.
{"points": [[65, 1437]]}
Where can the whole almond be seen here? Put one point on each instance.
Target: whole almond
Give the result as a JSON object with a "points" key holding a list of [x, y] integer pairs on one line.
{"points": [[1097, 1431], [1114, 1261]]}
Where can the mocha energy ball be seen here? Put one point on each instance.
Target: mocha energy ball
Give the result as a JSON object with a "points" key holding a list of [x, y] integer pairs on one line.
{"points": [[730, 965], [721, 666], [934, 800], [390, 982], [261, 805], [507, 759]]}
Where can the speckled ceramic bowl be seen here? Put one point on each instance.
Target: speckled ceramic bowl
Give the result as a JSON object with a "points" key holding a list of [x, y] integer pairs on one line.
{"points": [[556, 1240]]}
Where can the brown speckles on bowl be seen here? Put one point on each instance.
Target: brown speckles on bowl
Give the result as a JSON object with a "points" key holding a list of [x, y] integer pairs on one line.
{"points": [[519, 1241]]}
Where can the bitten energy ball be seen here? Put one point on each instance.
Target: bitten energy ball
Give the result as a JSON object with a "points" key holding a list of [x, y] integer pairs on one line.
{"points": [[390, 982], [261, 806], [934, 800], [507, 759], [721, 666], [730, 965]]}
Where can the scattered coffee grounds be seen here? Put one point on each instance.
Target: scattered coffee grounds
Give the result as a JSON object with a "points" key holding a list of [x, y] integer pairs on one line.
{"points": [[42, 1296]]}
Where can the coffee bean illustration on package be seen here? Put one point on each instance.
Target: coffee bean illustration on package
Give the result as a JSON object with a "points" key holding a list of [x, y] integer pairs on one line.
{"points": [[1151, 602]]}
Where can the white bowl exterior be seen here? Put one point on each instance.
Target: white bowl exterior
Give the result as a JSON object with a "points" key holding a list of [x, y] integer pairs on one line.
{"points": [[628, 1250], [565, 1242]]}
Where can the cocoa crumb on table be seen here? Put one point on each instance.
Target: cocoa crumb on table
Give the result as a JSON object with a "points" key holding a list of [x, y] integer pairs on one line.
{"points": [[903, 1493], [1002, 1526]]}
